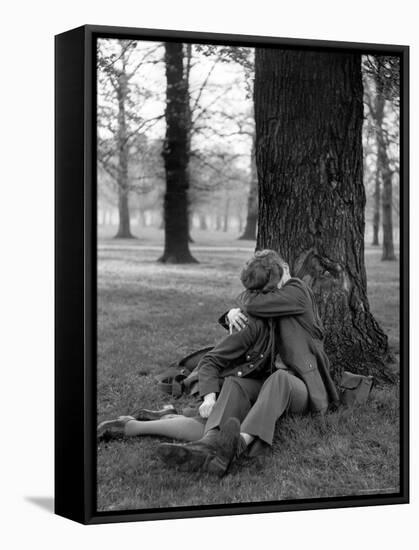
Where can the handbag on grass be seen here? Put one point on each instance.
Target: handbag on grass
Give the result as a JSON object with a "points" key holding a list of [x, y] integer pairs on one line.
{"points": [[355, 388], [182, 375]]}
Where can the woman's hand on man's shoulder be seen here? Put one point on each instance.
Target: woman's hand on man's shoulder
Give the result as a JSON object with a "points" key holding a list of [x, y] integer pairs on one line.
{"points": [[236, 319]]}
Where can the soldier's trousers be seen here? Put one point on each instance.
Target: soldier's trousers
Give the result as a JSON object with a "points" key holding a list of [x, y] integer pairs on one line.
{"points": [[257, 404]]}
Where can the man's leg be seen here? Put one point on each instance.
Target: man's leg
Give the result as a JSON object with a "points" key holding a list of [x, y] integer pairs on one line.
{"points": [[282, 392], [235, 400], [216, 449]]}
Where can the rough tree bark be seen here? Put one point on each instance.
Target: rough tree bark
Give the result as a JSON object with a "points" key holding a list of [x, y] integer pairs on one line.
{"points": [[124, 228], [309, 113], [252, 201], [175, 154]]}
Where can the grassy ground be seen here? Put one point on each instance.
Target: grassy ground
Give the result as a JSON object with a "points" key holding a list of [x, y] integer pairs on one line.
{"points": [[150, 314]]}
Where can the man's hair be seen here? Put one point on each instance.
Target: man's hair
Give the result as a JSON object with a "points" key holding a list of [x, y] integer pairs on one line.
{"points": [[263, 271]]}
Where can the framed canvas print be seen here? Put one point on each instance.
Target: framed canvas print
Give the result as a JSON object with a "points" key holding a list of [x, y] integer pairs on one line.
{"points": [[231, 274]]}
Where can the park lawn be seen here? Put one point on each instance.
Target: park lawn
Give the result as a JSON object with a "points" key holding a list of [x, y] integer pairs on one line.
{"points": [[150, 314]]}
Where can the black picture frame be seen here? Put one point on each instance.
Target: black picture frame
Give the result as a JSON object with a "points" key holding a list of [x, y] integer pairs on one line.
{"points": [[75, 276]]}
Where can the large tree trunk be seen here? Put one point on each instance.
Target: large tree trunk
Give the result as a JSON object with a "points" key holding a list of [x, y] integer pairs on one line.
{"points": [[252, 201], [175, 154], [309, 113], [124, 228]]}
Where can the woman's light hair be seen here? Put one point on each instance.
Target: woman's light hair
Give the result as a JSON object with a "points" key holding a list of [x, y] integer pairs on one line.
{"points": [[263, 271]]}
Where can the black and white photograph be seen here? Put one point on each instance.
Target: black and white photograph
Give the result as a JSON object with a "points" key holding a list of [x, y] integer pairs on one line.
{"points": [[208, 262], [249, 255]]}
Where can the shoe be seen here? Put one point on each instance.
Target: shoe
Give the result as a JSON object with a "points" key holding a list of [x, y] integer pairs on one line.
{"points": [[112, 429], [147, 414], [213, 453], [190, 456], [229, 440]]}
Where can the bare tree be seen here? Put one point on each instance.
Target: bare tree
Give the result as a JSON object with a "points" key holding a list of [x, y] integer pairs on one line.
{"points": [[118, 120], [252, 199], [384, 71], [372, 175], [176, 159]]}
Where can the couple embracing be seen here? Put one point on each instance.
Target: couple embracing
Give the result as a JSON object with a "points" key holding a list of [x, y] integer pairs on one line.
{"points": [[271, 363]]}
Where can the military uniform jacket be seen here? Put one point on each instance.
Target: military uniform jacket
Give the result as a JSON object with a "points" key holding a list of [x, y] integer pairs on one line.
{"points": [[244, 354], [299, 336]]}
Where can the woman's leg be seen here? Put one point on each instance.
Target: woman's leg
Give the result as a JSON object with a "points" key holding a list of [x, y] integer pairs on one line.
{"points": [[173, 426]]}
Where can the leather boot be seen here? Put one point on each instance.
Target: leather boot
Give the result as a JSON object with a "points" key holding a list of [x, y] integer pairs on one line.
{"points": [[213, 453]]}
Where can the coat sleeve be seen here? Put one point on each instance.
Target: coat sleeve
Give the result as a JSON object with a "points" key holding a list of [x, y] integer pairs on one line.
{"points": [[289, 300], [230, 349], [223, 320]]}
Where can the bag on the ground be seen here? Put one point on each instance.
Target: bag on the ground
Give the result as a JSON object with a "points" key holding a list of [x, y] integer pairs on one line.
{"points": [[355, 388], [181, 377]]}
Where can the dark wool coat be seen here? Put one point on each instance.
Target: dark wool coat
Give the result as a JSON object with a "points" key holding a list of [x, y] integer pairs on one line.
{"points": [[299, 336], [243, 354]]}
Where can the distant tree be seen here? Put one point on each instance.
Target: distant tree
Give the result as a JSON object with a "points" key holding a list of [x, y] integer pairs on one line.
{"points": [[377, 204], [203, 224], [252, 200], [119, 123], [384, 71], [372, 175], [309, 114]]}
